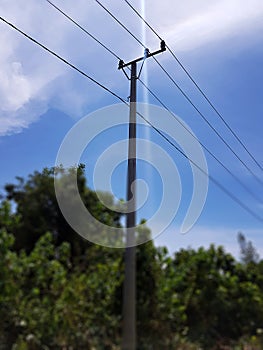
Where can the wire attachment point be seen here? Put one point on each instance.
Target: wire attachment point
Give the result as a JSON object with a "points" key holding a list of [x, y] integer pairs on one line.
{"points": [[146, 53], [121, 64]]}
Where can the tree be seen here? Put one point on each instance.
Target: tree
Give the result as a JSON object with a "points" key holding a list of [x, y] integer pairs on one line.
{"points": [[219, 299], [37, 211], [59, 292], [248, 252]]}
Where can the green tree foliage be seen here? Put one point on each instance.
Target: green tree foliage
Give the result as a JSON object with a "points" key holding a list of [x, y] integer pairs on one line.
{"points": [[59, 292], [248, 252], [47, 303], [36, 205], [221, 301]]}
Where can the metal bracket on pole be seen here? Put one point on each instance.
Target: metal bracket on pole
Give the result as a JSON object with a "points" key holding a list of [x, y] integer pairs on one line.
{"points": [[147, 54]]}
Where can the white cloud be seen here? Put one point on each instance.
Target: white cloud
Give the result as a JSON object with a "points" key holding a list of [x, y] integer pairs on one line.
{"points": [[204, 236], [10, 77], [201, 23], [31, 81]]}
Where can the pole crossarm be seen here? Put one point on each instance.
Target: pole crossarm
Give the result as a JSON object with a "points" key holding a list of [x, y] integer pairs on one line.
{"points": [[147, 54]]}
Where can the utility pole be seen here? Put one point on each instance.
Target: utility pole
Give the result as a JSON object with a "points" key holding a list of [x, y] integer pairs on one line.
{"points": [[129, 290]]}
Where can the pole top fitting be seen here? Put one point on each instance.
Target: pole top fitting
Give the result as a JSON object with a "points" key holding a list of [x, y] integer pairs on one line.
{"points": [[121, 63], [163, 46], [146, 53]]}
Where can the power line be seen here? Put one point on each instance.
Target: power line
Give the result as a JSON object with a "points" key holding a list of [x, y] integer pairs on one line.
{"points": [[197, 86], [207, 149], [83, 29], [141, 17], [61, 58], [208, 123], [158, 99], [217, 183], [185, 95], [120, 23]]}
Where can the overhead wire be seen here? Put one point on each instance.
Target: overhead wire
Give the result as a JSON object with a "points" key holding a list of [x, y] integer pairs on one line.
{"points": [[183, 93], [208, 122], [159, 100], [59, 57], [202, 144], [197, 86], [82, 28], [120, 23], [217, 183]]}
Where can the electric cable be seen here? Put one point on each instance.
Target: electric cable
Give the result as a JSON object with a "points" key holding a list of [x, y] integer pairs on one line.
{"points": [[184, 94], [217, 183], [208, 123], [83, 29], [196, 85], [158, 99], [60, 58], [202, 144]]}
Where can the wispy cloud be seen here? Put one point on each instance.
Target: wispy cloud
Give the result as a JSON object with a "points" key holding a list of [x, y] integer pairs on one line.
{"points": [[31, 81], [206, 235], [198, 24]]}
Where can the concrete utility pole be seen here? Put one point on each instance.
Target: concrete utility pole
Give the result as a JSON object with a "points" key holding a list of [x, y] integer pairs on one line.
{"points": [[129, 292]]}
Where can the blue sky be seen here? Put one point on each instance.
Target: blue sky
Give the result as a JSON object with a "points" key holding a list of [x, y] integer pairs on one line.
{"points": [[219, 42]]}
